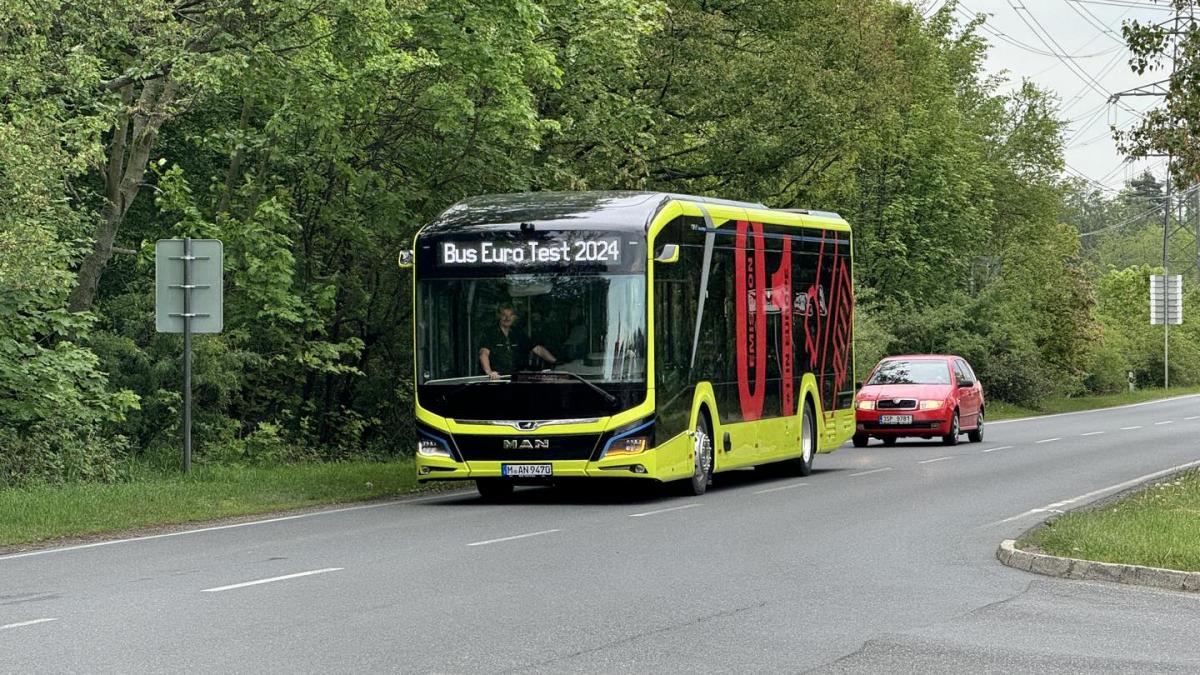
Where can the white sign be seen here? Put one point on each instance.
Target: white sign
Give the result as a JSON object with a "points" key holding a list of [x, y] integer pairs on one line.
{"points": [[1173, 302]]}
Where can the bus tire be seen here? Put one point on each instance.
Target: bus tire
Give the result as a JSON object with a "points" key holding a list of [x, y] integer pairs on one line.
{"points": [[802, 465], [494, 489], [702, 459]]}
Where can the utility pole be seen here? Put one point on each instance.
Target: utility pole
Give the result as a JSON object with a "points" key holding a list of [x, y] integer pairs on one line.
{"points": [[1162, 88]]}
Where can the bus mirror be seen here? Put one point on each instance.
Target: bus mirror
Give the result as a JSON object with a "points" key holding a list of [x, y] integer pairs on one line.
{"points": [[668, 254], [405, 260]]}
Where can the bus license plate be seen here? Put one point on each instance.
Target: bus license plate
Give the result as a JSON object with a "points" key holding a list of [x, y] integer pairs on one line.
{"points": [[526, 470], [895, 419]]}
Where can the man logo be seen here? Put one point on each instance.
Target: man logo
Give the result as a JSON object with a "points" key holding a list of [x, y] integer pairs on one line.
{"points": [[526, 444]]}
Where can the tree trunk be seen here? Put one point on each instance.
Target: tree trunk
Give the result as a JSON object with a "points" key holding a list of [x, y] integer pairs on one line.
{"points": [[128, 156]]}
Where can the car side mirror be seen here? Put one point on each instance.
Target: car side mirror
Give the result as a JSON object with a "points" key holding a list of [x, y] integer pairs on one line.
{"points": [[858, 385], [966, 383], [668, 254]]}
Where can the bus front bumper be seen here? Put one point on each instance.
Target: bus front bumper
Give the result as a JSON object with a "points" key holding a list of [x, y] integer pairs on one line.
{"points": [[641, 465]]}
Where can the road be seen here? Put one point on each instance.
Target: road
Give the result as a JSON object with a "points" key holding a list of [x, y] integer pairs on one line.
{"points": [[881, 561]]}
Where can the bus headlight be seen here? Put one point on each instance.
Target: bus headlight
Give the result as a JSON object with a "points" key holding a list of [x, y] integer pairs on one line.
{"points": [[931, 405], [866, 405], [430, 447], [630, 445]]}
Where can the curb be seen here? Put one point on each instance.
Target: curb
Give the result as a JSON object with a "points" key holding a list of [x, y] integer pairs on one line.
{"points": [[1089, 570]]}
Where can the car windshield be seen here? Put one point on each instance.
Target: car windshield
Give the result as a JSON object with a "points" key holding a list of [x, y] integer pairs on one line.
{"points": [[911, 372]]}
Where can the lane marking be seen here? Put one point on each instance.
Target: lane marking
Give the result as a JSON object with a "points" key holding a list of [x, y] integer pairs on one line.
{"points": [[782, 487], [1159, 424], [1092, 433], [1193, 417], [1003, 447], [1096, 410], [515, 536], [865, 473], [26, 623], [927, 461], [1056, 506], [1131, 428], [215, 528], [1050, 440], [673, 508], [244, 584]]}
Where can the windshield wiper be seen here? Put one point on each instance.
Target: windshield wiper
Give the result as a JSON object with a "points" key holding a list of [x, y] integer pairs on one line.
{"points": [[467, 385], [609, 398]]}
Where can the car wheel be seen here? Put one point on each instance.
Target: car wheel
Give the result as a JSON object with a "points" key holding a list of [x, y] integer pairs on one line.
{"points": [[702, 452], [494, 489], [952, 437], [861, 440], [889, 440], [976, 436]]}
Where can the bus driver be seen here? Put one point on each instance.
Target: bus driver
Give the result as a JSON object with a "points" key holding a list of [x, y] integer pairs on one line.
{"points": [[507, 346]]}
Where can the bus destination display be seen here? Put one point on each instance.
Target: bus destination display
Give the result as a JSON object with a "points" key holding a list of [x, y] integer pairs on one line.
{"points": [[603, 250]]}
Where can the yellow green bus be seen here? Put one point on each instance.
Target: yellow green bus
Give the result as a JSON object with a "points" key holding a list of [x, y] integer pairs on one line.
{"points": [[653, 336]]}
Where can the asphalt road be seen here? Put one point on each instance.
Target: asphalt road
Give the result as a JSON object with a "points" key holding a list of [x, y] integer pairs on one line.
{"points": [[881, 561]]}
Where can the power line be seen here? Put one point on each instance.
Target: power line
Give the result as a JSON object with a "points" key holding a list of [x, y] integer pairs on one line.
{"points": [[1005, 37], [1143, 214], [1094, 21]]}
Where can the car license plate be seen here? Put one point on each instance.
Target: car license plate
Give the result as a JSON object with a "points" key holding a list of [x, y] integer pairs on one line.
{"points": [[895, 419], [526, 470]]}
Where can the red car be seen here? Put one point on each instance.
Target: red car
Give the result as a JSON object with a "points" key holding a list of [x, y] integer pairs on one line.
{"points": [[925, 396]]}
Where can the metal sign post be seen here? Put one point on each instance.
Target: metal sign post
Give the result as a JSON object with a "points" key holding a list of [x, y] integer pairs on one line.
{"points": [[188, 299], [1166, 310]]}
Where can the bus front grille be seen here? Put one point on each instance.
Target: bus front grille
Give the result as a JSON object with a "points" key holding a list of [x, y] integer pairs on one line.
{"points": [[517, 448]]}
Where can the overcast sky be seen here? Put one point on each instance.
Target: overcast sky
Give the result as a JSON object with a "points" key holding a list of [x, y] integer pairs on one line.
{"points": [[1032, 31]]}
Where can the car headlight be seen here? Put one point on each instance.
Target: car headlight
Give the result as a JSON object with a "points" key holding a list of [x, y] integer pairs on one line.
{"points": [[931, 405], [430, 447], [866, 405]]}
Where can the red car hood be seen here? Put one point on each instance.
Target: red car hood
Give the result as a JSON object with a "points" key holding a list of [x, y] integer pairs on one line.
{"points": [[927, 392]]}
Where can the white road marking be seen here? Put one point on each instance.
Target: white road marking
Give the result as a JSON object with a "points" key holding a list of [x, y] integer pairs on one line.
{"points": [[1056, 506], [673, 508], [1159, 424], [1092, 433], [244, 584], [1193, 417], [1094, 410], [864, 473], [1050, 440], [781, 487], [1003, 447], [25, 623], [1131, 428], [927, 461], [515, 536], [231, 526]]}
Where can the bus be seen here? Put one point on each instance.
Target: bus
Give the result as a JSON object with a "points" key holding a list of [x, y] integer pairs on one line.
{"points": [[640, 335]]}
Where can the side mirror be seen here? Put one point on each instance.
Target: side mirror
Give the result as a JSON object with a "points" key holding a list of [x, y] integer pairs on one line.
{"points": [[405, 259], [965, 383], [858, 385], [668, 254]]}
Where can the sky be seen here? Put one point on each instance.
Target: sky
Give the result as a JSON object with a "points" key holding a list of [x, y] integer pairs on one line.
{"points": [[1026, 35]]}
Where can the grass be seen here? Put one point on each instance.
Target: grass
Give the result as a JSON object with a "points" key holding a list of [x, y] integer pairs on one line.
{"points": [[1000, 411], [45, 512], [1158, 527]]}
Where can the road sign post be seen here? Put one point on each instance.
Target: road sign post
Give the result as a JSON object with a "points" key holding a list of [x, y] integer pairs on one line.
{"points": [[188, 298], [1166, 310]]}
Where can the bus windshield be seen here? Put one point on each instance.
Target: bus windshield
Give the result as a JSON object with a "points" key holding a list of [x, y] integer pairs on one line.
{"points": [[554, 345]]}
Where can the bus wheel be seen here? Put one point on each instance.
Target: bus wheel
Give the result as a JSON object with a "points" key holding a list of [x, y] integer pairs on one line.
{"points": [[494, 489], [703, 454], [802, 465]]}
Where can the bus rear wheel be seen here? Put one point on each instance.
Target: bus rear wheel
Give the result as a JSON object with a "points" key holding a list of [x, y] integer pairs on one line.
{"points": [[802, 465], [702, 452], [494, 489]]}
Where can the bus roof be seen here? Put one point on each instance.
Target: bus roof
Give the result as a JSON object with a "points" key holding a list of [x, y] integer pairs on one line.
{"points": [[622, 210]]}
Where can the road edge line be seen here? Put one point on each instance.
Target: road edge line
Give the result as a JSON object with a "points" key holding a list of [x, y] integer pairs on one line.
{"points": [[1094, 410]]}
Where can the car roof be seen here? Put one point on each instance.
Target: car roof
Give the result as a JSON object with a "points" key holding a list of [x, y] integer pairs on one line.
{"points": [[915, 357]]}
